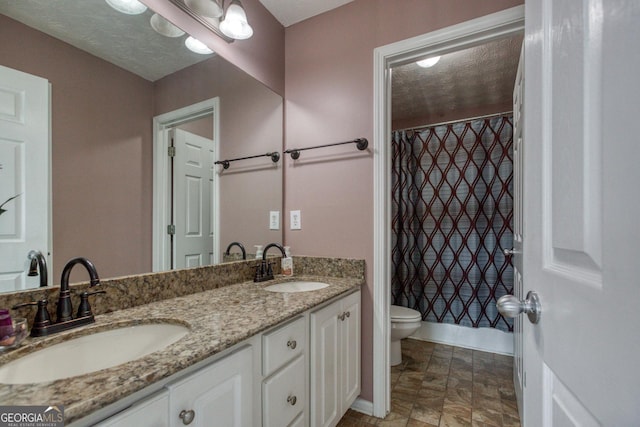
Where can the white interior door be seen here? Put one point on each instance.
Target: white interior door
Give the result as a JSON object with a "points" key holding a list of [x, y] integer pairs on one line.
{"points": [[24, 175], [193, 200], [581, 210], [516, 252]]}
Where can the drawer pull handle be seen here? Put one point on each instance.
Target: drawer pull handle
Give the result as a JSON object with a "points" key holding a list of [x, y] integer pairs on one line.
{"points": [[187, 416], [292, 344], [292, 400]]}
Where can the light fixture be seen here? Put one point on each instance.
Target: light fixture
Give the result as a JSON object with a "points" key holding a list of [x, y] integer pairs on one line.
{"points": [[196, 46], [164, 27], [130, 7], [206, 8], [429, 62], [235, 23]]}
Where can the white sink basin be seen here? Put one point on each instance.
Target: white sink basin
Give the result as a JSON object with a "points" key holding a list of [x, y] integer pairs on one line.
{"points": [[296, 287], [91, 353]]}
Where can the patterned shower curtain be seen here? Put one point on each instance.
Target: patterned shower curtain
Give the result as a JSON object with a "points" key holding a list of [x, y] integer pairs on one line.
{"points": [[452, 210]]}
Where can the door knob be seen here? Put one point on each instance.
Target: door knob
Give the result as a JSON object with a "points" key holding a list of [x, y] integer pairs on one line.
{"points": [[510, 306], [509, 252]]}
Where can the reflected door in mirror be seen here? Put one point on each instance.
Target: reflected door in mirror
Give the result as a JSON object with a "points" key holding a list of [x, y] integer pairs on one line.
{"points": [[24, 175]]}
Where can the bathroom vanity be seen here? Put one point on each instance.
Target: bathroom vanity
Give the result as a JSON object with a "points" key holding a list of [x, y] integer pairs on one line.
{"points": [[251, 357]]}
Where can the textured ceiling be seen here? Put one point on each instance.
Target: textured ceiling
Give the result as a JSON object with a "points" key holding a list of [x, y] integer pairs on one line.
{"points": [[289, 12], [469, 81], [93, 26]]}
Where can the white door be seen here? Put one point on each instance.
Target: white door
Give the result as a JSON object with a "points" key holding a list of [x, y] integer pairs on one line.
{"points": [[581, 212], [516, 252], [193, 200], [24, 175]]}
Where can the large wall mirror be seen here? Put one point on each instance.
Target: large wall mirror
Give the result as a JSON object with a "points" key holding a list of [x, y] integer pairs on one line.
{"points": [[110, 75]]}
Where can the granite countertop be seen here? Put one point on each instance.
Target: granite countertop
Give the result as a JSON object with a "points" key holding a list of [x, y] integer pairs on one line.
{"points": [[217, 319]]}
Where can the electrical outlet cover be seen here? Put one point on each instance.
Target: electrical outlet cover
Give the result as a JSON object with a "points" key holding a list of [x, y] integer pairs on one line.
{"points": [[274, 220], [296, 220]]}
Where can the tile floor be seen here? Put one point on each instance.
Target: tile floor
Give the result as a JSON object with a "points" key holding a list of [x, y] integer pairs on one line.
{"points": [[440, 385]]}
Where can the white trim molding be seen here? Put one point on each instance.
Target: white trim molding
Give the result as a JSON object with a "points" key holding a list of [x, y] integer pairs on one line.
{"points": [[162, 177], [446, 40]]}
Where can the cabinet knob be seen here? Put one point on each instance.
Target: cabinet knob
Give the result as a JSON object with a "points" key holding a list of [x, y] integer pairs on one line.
{"points": [[341, 316], [187, 416], [348, 313], [292, 344], [292, 400]]}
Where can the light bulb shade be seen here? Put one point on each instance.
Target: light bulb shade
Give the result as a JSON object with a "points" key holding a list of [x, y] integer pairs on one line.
{"points": [[130, 7], [196, 46], [164, 27], [235, 23], [207, 8], [429, 62]]}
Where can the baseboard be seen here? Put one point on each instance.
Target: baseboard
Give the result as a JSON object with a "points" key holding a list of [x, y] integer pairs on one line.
{"points": [[363, 406], [484, 339]]}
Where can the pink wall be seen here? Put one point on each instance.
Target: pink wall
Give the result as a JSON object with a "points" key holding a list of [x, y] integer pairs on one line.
{"points": [[329, 98], [101, 152], [261, 56]]}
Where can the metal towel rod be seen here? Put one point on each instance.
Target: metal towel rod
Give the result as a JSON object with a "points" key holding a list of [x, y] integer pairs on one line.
{"points": [[275, 156], [361, 143]]}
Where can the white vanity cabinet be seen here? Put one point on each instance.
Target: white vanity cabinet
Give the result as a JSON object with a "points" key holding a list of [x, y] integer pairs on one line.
{"points": [[284, 396], [220, 394], [335, 360], [150, 412]]}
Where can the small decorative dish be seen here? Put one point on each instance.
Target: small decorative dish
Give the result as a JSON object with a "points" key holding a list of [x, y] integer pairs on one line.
{"points": [[14, 336]]}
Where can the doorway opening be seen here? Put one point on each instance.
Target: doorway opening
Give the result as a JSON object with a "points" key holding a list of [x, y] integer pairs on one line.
{"points": [[185, 187], [451, 39]]}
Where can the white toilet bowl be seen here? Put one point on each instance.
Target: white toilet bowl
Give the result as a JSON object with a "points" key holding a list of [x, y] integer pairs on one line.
{"points": [[404, 322]]}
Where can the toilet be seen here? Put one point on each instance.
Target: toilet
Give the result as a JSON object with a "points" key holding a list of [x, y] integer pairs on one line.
{"points": [[404, 322]]}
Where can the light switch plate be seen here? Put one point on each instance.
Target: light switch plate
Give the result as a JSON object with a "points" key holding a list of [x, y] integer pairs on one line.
{"points": [[274, 220], [296, 220]]}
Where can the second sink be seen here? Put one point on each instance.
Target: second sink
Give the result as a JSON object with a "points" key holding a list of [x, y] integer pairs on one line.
{"points": [[91, 353], [296, 287]]}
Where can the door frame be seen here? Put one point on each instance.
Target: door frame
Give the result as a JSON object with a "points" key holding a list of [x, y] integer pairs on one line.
{"points": [[161, 243], [449, 39]]}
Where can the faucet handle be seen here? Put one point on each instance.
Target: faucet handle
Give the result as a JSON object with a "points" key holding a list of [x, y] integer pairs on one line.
{"points": [[42, 318], [84, 309]]}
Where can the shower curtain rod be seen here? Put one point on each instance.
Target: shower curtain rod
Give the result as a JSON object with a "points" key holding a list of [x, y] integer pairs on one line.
{"points": [[468, 119]]}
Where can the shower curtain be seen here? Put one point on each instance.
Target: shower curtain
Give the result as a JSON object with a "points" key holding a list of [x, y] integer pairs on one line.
{"points": [[452, 210]]}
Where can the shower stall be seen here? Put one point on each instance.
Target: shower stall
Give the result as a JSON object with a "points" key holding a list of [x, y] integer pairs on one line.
{"points": [[452, 209]]}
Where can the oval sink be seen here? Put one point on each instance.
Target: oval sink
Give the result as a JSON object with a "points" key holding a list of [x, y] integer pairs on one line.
{"points": [[91, 353], [296, 287]]}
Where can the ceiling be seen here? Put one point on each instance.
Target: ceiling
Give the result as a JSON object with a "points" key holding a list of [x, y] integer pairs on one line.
{"points": [[127, 41], [289, 12], [468, 82]]}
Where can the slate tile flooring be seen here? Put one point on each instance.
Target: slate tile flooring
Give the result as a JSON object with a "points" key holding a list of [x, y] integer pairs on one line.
{"points": [[440, 386]]}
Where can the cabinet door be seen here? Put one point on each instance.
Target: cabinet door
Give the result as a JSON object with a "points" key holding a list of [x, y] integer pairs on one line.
{"points": [[218, 395], [325, 366], [150, 412], [350, 349]]}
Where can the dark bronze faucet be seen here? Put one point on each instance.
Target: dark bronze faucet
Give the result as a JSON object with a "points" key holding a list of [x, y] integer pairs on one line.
{"points": [[238, 244], [42, 324], [38, 262], [264, 270]]}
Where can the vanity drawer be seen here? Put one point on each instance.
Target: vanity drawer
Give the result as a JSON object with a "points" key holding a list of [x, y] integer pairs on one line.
{"points": [[282, 345], [284, 395]]}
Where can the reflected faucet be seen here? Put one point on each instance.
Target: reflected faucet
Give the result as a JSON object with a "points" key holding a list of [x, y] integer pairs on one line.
{"points": [[64, 309], [264, 270], [38, 262], [238, 244]]}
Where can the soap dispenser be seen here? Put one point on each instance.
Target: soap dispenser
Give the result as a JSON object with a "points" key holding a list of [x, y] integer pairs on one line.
{"points": [[287, 262]]}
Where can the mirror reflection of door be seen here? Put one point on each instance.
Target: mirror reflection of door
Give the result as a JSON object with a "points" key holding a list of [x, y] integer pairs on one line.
{"points": [[24, 175], [192, 199]]}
